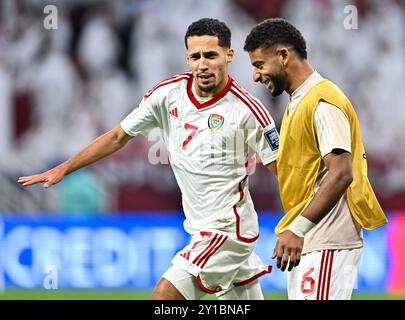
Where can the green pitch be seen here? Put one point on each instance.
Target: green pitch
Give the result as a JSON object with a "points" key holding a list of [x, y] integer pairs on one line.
{"points": [[142, 295]]}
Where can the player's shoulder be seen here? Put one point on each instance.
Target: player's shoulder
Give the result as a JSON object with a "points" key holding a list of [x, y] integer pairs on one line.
{"points": [[250, 104], [168, 84]]}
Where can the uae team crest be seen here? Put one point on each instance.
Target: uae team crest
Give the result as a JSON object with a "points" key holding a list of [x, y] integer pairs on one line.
{"points": [[215, 121]]}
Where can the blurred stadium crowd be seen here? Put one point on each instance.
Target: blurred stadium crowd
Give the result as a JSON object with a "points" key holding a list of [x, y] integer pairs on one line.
{"points": [[61, 88]]}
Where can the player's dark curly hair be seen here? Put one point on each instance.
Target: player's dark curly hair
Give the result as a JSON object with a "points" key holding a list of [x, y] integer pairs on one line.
{"points": [[276, 31], [210, 27]]}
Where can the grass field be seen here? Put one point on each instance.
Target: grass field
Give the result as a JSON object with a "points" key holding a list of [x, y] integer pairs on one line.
{"points": [[141, 295]]}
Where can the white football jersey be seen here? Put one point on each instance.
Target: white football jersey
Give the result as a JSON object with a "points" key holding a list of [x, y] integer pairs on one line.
{"points": [[208, 143]]}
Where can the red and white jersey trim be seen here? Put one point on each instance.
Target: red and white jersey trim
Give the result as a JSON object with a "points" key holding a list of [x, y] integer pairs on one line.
{"points": [[207, 290], [258, 275], [210, 102], [216, 242], [237, 217], [238, 235], [258, 110], [176, 78]]}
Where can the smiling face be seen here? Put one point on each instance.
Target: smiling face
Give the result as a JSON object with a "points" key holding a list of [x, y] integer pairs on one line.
{"points": [[268, 69], [208, 62]]}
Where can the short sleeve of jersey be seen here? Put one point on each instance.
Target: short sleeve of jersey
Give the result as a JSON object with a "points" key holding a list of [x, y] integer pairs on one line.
{"points": [[143, 118], [332, 128], [263, 140]]}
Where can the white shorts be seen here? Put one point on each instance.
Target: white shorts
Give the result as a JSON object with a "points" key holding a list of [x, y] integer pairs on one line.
{"points": [[325, 275], [219, 262], [187, 284]]}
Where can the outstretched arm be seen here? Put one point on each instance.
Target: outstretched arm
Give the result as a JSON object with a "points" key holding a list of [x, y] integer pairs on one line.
{"points": [[101, 147]]}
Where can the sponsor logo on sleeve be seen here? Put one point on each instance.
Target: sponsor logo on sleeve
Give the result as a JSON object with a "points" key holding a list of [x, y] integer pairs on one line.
{"points": [[272, 138]]}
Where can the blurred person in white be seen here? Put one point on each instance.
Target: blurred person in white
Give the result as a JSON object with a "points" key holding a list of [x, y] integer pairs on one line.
{"points": [[384, 26], [49, 75], [321, 169], [6, 119], [109, 90], [320, 21], [20, 41], [42, 67], [202, 114], [26, 45], [386, 22]]}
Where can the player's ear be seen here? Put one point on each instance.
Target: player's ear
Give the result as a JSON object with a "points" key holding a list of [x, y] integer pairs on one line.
{"points": [[229, 55], [187, 60], [284, 55]]}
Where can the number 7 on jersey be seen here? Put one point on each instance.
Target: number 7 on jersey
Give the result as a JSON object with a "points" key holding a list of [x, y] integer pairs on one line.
{"points": [[193, 129]]}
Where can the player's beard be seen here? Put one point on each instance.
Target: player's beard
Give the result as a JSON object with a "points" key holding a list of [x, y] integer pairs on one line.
{"points": [[207, 88], [279, 83]]}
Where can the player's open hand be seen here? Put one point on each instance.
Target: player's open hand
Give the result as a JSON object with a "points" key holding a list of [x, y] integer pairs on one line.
{"points": [[48, 178], [288, 250]]}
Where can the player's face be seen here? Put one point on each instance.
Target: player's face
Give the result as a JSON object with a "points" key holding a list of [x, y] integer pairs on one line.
{"points": [[268, 70], [209, 64]]}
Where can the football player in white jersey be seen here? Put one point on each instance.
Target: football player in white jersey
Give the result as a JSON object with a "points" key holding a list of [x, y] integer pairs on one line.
{"points": [[209, 124]]}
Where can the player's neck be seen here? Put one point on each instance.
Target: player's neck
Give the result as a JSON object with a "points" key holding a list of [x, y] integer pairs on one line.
{"points": [[301, 71]]}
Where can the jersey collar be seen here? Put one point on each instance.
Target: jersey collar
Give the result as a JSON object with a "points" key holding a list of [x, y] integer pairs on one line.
{"points": [[210, 102]]}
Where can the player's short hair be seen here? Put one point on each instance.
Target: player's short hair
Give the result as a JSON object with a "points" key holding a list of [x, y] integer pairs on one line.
{"points": [[276, 31], [210, 27]]}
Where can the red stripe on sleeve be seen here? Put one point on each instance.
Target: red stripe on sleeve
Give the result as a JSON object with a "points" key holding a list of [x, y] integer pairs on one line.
{"points": [[244, 100], [179, 77], [262, 110]]}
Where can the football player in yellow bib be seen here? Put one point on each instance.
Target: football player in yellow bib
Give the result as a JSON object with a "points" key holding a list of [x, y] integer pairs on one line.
{"points": [[321, 169]]}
